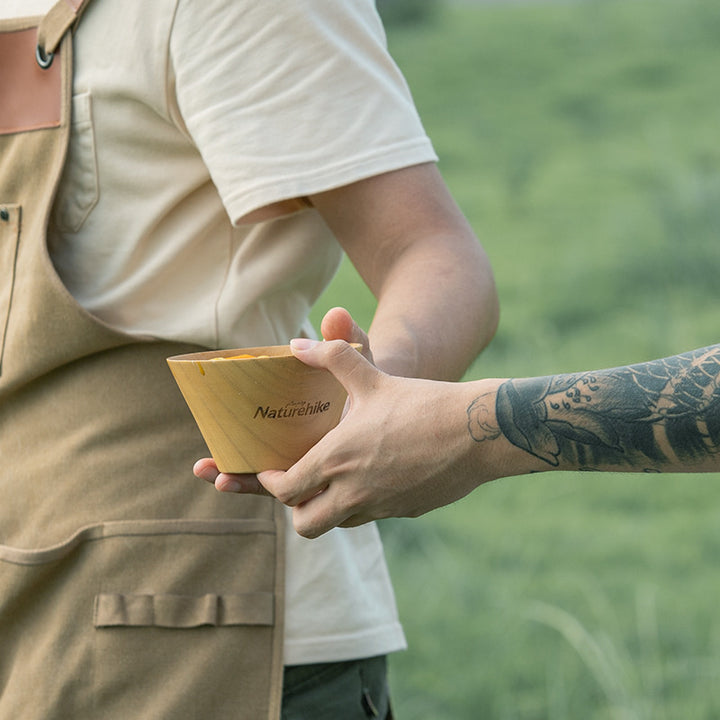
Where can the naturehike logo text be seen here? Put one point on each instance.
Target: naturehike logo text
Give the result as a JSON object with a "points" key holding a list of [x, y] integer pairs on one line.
{"points": [[297, 408]]}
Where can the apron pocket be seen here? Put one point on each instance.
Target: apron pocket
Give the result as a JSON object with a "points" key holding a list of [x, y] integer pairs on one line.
{"points": [[162, 619]]}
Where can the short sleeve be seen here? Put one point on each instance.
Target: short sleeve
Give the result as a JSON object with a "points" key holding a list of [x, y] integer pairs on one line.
{"points": [[288, 98]]}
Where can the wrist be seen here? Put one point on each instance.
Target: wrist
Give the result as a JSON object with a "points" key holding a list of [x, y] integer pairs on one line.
{"points": [[489, 448]]}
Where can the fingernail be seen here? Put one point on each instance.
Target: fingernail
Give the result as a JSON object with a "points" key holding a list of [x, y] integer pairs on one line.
{"points": [[303, 343]]}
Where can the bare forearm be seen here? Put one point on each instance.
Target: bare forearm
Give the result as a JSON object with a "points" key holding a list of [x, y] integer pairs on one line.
{"points": [[437, 303], [659, 416], [408, 446], [437, 310]]}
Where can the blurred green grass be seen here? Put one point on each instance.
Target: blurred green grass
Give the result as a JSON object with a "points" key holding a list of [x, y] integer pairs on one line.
{"points": [[581, 140]]}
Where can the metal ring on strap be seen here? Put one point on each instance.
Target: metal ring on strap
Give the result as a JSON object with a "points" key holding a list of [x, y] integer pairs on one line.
{"points": [[62, 17], [44, 60]]}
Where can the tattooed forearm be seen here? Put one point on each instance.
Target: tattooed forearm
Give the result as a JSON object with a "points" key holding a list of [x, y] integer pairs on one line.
{"points": [[646, 416]]}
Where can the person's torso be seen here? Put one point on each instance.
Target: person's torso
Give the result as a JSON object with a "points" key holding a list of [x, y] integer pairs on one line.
{"points": [[140, 236]]}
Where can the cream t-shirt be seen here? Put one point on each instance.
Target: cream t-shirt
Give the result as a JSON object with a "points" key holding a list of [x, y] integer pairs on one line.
{"points": [[188, 116]]}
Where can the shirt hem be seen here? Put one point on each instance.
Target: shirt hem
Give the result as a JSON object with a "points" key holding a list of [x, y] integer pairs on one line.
{"points": [[339, 648]]}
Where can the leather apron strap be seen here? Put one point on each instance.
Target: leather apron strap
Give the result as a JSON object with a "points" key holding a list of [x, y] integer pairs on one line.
{"points": [[127, 588], [61, 17]]}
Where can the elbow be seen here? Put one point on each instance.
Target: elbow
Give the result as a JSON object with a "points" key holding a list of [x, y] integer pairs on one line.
{"points": [[486, 304]]}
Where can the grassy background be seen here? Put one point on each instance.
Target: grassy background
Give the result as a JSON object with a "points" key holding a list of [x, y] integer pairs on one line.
{"points": [[581, 140]]}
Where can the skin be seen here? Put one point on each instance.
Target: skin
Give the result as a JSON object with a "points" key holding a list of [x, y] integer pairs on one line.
{"points": [[437, 305], [435, 442]]}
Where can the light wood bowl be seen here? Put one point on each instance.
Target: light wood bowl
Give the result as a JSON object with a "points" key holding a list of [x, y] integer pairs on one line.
{"points": [[258, 413]]}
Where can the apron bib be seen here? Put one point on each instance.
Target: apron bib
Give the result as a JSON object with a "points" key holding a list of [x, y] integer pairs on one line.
{"points": [[128, 589]]}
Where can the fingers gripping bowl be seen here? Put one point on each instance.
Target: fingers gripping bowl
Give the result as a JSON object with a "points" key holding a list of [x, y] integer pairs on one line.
{"points": [[258, 408]]}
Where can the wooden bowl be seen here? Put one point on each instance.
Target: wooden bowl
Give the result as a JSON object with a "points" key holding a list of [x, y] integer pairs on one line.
{"points": [[262, 412]]}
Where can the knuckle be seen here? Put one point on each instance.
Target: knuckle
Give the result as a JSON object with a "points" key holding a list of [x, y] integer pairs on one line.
{"points": [[337, 348], [286, 498]]}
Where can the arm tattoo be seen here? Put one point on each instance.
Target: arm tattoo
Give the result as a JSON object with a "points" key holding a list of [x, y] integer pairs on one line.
{"points": [[630, 415]]}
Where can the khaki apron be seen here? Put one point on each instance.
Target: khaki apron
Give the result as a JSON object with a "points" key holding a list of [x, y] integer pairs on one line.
{"points": [[128, 588]]}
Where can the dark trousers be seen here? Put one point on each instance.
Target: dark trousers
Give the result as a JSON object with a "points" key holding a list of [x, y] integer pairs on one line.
{"points": [[353, 690]]}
